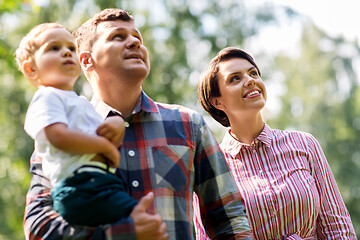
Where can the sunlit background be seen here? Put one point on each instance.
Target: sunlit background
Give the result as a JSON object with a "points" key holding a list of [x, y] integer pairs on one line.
{"points": [[308, 52]]}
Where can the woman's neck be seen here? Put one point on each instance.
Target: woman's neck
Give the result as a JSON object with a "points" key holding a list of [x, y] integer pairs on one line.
{"points": [[246, 128]]}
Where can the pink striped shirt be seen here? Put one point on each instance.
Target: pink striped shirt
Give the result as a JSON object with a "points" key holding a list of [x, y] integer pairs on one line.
{"points": [[287, 186]]}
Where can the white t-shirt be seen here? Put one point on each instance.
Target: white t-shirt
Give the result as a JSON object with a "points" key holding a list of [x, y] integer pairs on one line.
{"points": [[51, 105]]}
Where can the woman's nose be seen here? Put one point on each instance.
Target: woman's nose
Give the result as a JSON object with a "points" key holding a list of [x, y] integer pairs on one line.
{"points": [[249, 81]]}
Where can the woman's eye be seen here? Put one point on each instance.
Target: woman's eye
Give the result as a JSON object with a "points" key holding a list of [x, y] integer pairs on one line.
{"points": [[254, 74], [235, 78]]}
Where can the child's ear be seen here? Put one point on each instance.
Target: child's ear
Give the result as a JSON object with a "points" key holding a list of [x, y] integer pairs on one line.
{"points": [[217, 104], [29, 70], [86, 60]]}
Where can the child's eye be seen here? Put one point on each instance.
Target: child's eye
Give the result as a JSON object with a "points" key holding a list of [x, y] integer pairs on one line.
{"points": [[54, 48], [72, 49]]}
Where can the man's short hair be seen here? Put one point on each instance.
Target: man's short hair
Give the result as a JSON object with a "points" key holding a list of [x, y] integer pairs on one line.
{"points": [[85, 35]]}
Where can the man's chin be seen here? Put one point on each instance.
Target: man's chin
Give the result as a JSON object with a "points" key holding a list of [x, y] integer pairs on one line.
{"points": [[139, 71]]}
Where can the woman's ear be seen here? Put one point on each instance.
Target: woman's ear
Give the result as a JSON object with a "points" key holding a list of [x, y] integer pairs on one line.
{"points": [[217, 103], [29, 70], [86, 60]]}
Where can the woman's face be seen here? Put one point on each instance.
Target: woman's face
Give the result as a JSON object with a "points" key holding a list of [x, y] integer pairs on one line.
{"points": [[242, 89]]}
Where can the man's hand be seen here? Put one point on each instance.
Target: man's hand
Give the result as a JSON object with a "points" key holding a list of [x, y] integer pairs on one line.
{"points": [[113, 129], [148, 226]]}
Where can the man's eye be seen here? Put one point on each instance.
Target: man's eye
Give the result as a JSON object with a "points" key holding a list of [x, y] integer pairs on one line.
{"points": [[118, 36], [138, 37]]}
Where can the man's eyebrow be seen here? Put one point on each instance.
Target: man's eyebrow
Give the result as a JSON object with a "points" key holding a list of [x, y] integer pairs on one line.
{"points": [[122, 29]]}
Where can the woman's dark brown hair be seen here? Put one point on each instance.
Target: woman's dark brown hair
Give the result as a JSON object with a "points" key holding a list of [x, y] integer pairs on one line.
{"points": [[208, 87]]}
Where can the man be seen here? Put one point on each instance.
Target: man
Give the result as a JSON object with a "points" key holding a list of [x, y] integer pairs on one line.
{"points": [[168, 151]]}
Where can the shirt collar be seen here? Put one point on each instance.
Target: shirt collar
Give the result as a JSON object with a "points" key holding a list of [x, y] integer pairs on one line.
{"points": [[266, 135], [144, 103], [233, 147]]}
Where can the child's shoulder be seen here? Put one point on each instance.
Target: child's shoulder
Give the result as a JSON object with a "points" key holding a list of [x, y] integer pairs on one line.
{"points": [[55, 92]]}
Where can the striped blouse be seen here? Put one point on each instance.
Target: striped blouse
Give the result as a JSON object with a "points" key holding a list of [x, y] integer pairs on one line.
{"points": [[288, 187]]}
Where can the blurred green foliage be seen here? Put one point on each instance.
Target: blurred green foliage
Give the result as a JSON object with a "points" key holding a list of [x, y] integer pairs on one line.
{"points": [[323, 98], [318, 88]]}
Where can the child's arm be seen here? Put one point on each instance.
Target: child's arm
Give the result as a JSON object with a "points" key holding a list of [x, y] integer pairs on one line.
{"points": [[112, 129], [76, 142]]}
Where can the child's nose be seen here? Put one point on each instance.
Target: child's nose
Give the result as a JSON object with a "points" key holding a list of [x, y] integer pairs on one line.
{"points": [[67, 53]]}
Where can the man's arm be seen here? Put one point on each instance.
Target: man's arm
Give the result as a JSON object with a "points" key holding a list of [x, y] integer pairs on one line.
{"points": [[222, 211], [41, 221]]}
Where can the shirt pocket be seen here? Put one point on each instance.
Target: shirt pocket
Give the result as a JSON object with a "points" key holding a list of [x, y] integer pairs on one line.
{"points": [[173, 165]]}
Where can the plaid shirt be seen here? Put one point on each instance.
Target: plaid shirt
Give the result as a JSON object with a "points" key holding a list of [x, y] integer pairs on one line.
{"points": [[169, 150]]}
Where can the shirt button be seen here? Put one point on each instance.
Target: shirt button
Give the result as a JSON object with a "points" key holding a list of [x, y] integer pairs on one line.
{"points": [[127, 124], [261, 171], [135, 183], [131, 153], [254, 151]]}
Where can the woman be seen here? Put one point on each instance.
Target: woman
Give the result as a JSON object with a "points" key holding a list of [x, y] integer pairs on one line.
{"points": [[284, 178]]}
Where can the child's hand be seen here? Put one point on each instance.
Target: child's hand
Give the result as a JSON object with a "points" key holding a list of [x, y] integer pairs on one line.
{"points": [[112, 156], [113, 129]]}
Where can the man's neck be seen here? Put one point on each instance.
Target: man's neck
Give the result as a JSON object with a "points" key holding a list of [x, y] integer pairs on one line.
{"points": [[119, 96]]}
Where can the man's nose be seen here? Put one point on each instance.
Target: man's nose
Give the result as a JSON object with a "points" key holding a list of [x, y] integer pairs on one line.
{"points": [[134, 42]]}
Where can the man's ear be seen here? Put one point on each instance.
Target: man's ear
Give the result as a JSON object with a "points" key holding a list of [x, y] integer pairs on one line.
{"points": [[217, 104], [29, 70], [86, 60]]}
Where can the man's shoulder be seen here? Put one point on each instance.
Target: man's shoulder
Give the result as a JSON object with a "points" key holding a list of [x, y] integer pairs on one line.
{"points": [[175, 108], [178, 111]]}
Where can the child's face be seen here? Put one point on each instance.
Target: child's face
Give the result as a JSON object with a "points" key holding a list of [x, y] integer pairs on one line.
{"points": [[56, 62]]}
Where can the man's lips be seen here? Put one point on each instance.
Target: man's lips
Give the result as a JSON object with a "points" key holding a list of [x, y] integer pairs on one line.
{"points": [[134, 56]]}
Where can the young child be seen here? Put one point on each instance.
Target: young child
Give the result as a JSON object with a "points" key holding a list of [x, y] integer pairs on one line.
{"points": [[77, 147]]}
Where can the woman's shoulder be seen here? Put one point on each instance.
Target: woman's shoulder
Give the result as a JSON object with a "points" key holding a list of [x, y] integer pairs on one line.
{"points": [[293, 134]]}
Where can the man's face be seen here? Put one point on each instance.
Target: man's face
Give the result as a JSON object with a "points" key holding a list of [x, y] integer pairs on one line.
{"points": [[119, 51]]}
